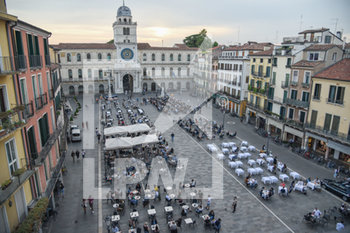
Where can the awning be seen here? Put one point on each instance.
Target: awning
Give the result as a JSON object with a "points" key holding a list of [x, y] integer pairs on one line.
{"points": [[129, 142], [120, 130]]}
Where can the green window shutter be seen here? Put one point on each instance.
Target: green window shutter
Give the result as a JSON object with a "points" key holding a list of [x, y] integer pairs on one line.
{"points": [[327, 122]]}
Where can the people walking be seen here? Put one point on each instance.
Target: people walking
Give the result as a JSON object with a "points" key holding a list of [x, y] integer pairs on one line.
{"points": [[172, 136], [77, 153], [91, 204], [234, 204], [335, 173], [83, 153], [208, 202], [62, 190], [73, 156], [84, 205]]}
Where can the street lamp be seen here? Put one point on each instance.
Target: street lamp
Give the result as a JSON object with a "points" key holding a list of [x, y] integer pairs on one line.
{"points": [[223, 102]]}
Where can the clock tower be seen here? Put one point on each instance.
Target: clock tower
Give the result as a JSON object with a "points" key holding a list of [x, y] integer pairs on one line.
{"points": [[127, 71]]}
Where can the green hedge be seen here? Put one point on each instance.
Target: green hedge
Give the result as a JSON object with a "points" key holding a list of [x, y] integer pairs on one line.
{"points": [[34, 217]]}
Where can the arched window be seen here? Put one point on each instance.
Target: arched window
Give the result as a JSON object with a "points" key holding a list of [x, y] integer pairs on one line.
{"points": [[179, 72], [88, 56], [78, 57], [100, 73], [126, 31], [99, 56], [89, 73], [80, 73], [153, 57], [125, 20], [68, 57], [144, 57], [109, 57], [70, 74], [179, 57], [163, 71], [171, 72], [120, 19], [153, 71], [163, 57], [171, 57], [188, 57], [144, 72]]}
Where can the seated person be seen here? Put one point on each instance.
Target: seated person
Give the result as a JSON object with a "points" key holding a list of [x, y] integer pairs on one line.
{"points": [[211, 214], [316, 213], [271, 192], [115, 229], [154, 221], [309, 217], [184, 212], [193, 183], [261, 191], [199, 209], [207, 221]]}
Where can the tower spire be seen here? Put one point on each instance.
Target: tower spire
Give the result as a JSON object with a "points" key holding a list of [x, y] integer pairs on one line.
{"points": [[123, 3]]}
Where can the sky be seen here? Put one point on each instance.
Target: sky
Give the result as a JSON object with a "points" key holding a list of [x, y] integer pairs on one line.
{"points": [[165, 22]]}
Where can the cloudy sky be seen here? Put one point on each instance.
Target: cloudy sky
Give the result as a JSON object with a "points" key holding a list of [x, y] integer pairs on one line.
{"points": [[227, 21]]}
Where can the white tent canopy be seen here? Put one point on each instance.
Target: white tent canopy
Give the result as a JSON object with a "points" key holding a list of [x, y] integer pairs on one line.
{"points": [[128, 142], [119, 130]]}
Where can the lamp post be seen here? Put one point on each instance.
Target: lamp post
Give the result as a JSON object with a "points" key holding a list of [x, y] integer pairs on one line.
{"points": [[223, 103], [268, 137]]}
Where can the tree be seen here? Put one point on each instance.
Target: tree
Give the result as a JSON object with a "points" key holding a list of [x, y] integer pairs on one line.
{"points": [[110, 42], [196, 40], [215, 44]]}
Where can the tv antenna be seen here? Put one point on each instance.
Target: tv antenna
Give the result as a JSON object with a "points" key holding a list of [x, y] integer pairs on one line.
{"points": [[301, 23], [335, 23]]}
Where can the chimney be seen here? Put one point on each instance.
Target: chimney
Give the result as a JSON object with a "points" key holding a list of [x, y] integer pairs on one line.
{"points": [[339, 34]]}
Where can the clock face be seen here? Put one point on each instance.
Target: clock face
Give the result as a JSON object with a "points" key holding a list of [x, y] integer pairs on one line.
{"points": [[127, 54]]}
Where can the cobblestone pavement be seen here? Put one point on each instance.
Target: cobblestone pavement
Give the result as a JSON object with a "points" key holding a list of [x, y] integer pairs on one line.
{"points": [[279, 214]]}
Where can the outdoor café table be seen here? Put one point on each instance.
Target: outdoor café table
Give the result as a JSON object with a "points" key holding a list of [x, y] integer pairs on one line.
{"points": [[251, 162], [137, 197], [295, 175], [241, 156], [299, 186], [135, 192], [251, 171], [187, 185], [153, 227], [273, 179], [280, 188], [263, 155], [151, 212], [259, 170], [239, 171], [247, 155], [231, 144], [265, 194], [234, 148], [313, 185], [212, 148], [260, 161], [280, 166], [244, 149], [188, 221], [239, 163], [134, 214], [115, 206], [270, 168], [232, 156], [168, 209], [168, 188], [225, 150], [269, 160], [251, 148], [225, 145], [204, 217], [232, 164], [185, 207], [266, 180], [244, 143], [194, 205], [147, 190], [284, 177], [115, 218], [220, 156], [148, 195], [193, 194], [172, 196]]}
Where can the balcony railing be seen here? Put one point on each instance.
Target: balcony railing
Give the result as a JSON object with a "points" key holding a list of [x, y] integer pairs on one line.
{"points": [[55, 175], [35, 61], [297, 103], [305, 85], [5, 66], [51, 94], [41, 101], [259, 74], [28, 110], [331, 133], [9, 122], [293, 83], [41, 156], [47, 60], [20, 62], [285, 84], [297, 124]]}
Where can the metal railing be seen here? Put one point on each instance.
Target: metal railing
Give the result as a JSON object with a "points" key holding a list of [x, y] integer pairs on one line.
{"points": [[47, 60], [297, 103], [5, 65], [293, 83], [331, 133], [41, 101], [35, 61], [305, 85], [28, 110]]}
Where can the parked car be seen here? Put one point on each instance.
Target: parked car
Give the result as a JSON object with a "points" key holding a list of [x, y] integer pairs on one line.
{"points": [[76, 136], [340, 188]]}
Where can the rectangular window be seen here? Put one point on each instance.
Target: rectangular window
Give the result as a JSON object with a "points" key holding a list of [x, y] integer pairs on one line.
{"points": [[295, 75], [253, 69], [268, 71], [307, 75], [335, 125], [44, 130], [24, 93], [40, 81], [302, 116], [11, 153], [331, 94], [327, 122], [291, 113], [293, 94], [305, 96], [327, 39], [313, 118], [340, 95], [274, 61], [317, 91], [287, 79], [273, 78], [313, 56], [289, 62], [334, 56], [34, 87], [32, 143]]}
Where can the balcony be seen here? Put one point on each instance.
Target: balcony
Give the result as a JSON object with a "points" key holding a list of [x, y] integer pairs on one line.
{"points": [[28, 110], [305, 85], [47, 60], [35, 61], [41, 101], [257, 107], [55, 175], [51, 94], [39, 158], [259, 74], [330, 133], [10, 121], [288, 66], [297, 103], [5, 66], [293, 83], [294, 123], [285, 84], [20, 63]]}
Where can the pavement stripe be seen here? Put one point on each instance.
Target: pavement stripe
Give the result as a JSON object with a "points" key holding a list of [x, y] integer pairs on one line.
{"points": [[100, 225], [254, 196]]}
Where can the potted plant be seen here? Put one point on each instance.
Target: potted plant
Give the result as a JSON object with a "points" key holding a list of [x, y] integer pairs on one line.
{"points": [[19, 172], [5, 184]]}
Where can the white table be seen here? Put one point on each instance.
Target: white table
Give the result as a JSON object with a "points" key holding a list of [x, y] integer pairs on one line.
{"points": [[231, 144], [232, 164], [115, 218], [239, 163], [299, 186], [234, 148], [188, 221], [212, 148], [153, 227], [260, 161], [220, 156], [266, 180], [263, 155], [270, 168], [232, 156], [251, 171], [244, 149], [259, 170], [284, 177], [172, 196], [269, 160], [115, 206], [241, 156], [285, 190], [247, 154], [244, 143], [295, 175], [194, 205], [251, 148], [225, 151], [151, 212], [185, 207], [134, 214], [251, 162], [168, 209], [312, 185], [239, 171], [273, 179], [280, 166], [225, 145]]}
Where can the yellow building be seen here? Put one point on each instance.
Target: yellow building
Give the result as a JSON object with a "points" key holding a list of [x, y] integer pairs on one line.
{"points": [[328, 128], [259, 79], [15, 191]]}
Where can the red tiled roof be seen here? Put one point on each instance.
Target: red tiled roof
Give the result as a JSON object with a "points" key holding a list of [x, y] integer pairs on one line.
{"points": [[338, 71], [321, 47], [314, 30], [304, 63], [84, 46], [177, 47], [347, 45], [249, 46], [264, 53]]}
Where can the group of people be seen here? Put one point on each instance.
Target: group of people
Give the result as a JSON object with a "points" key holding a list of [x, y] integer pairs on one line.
{"points": [[76, 154]]}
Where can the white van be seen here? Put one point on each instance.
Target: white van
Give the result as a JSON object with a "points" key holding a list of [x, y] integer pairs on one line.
{"points": [[76, 137]]}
